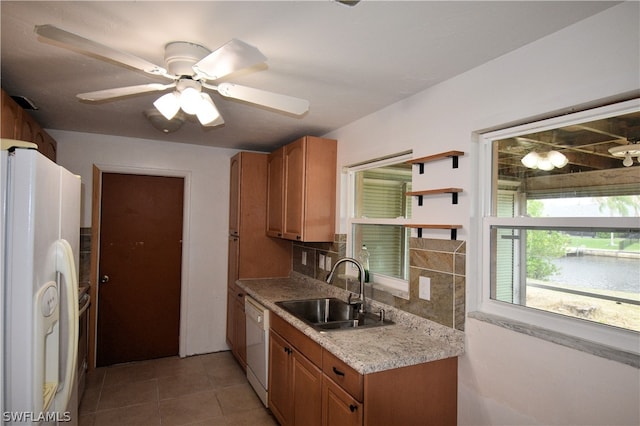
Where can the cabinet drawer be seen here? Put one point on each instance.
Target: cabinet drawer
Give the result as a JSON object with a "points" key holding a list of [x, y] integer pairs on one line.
{"points": [[295, 337], [345, 376]]}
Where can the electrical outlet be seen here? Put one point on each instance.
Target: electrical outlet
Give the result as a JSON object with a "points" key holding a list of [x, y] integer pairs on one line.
{"points": [[321, 261], [424, 288], [327, 263], [304, 258]]}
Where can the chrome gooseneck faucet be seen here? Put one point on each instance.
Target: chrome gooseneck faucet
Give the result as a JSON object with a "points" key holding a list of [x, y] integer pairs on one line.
{"points": [[360, 299]]}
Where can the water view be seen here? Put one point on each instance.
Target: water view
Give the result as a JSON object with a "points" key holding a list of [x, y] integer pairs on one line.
{"points": [[598, 272]]}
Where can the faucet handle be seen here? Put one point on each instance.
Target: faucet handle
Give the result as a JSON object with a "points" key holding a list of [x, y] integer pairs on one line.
{"points": [[382, 314]]}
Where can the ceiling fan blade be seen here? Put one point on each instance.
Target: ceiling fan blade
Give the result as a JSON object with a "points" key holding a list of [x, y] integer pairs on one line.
{"points": [[262, 97], [92, 48], [101, 95], [233, 56]]}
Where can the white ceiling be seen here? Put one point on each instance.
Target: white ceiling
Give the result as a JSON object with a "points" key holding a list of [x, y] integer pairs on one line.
{"points": [[347, 61]]}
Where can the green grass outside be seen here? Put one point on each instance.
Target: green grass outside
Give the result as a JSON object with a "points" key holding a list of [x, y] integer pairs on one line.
{"points": [[603, 243]]}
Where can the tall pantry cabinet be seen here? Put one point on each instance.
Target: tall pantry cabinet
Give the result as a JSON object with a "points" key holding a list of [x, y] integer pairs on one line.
{"points": [[252, 254]]}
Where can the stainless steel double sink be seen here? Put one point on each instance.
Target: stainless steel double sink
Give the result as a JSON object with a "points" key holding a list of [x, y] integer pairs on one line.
{"points": [[330, 313]]}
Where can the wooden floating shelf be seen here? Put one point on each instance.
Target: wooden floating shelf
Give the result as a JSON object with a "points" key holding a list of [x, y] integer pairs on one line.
{"points": [[453, 191], [449, 154], [420, 227]]}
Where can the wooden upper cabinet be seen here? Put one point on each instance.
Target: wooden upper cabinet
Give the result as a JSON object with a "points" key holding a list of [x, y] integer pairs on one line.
{"points": [[294, 183], [18, 124], [275, 189], [234, 195], [11, 112], [302, 207]]}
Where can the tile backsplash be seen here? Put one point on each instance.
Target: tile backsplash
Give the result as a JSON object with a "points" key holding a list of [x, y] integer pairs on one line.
{"points": [[442, 261]]}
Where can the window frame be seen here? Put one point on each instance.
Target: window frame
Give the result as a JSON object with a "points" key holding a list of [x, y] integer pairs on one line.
{"points": [[396, 286], [615, 337]]}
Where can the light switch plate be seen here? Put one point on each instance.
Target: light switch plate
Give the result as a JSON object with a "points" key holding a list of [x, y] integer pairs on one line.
{"points": [[304, 258], [321, 261], [327, 263], [424, 288]]}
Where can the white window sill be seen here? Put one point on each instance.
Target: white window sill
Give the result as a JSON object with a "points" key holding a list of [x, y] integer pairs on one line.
{"points": [[593, 348]]}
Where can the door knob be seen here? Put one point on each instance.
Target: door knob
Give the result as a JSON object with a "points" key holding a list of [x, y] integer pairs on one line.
{"points": [[104, 279]]}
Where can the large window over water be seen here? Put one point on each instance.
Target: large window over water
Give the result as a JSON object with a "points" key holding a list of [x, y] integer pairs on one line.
{"points": [[562, 218]]}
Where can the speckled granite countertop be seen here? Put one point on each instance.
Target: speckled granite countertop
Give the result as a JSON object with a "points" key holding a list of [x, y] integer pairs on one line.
{"points": [[411, 340]]}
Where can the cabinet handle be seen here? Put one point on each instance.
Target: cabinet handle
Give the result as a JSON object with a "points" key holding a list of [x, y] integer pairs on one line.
{"points": [[353, 407], [298, 237], [288, 350], [338, 372]]}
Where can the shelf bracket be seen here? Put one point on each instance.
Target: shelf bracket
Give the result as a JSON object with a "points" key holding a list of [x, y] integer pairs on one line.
{"points": [[455, 161], [454, 198]]}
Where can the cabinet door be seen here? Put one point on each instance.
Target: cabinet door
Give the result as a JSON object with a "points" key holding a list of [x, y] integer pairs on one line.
{"points": [[275, 191], [338, 407], [231, 324], [294, 185], [307, 390], [240, 337], [9, 126], [46, 145], [280, 390], [233, 264], [234, 195], [27, 128]]}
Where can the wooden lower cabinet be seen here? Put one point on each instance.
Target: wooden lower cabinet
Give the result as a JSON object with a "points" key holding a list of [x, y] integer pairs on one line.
{"points": [[295, 383], [309, 385], [236, 324], [338, 407]]}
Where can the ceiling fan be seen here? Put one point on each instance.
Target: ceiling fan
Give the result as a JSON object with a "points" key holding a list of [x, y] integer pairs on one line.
{"points": [[191, 68]]}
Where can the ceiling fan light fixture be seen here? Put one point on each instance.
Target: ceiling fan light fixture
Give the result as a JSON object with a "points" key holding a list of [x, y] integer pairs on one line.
{"points": [[557, 159], [545, 161], [190, 100], [530, 160], [207, 112], [160, 122], [168, 104]]}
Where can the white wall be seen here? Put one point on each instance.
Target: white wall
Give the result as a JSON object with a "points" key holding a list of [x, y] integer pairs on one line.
{"points": [[506, 377], [207, 169]]}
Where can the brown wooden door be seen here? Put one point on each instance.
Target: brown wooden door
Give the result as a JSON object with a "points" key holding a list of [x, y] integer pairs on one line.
{"points": [[141, 253]]}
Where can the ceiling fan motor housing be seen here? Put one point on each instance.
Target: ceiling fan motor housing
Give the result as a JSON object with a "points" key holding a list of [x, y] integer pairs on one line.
{"points": [[180, 56]]}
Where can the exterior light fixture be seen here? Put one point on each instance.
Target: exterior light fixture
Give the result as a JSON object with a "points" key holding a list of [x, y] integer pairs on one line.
{"points": [[544, 161], [627, 151]]}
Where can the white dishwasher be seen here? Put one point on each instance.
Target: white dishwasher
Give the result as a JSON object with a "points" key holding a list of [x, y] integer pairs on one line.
{"points": [[257, 347]]}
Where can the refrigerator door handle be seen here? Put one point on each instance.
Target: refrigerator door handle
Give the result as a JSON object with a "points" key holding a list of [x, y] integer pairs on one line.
{"points": [[66, 267]]}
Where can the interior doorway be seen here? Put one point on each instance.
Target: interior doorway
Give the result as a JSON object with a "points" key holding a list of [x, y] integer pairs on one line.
{"points": [[139, 267]]}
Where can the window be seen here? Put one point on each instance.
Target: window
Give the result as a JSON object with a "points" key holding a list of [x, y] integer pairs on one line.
{"points": [[379, 208], [562, 241]]}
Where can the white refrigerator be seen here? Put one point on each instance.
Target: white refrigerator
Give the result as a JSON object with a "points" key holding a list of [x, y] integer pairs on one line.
{"points": [[39, 300]]}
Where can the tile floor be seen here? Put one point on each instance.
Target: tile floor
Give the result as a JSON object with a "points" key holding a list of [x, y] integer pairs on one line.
{"points": [[201, 390]]}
